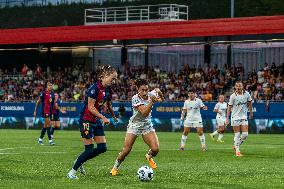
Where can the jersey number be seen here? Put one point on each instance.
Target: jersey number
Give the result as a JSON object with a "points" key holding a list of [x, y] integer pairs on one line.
{"points": [[86, 126]]}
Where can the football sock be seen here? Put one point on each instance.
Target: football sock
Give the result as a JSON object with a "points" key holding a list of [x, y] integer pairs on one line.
{"points": [[244, 136], [117, 164], [101, 148], [215, 133], [87, 154], [202, 139], [237, 141], [183, 140], [48, 133], [43, 130]]}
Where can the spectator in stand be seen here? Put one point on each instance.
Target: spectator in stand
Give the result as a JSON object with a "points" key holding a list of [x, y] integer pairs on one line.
{"points": [[24, 70]]}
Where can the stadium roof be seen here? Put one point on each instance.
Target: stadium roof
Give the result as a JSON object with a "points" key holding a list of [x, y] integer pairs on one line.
{"points": [[141, 31]]}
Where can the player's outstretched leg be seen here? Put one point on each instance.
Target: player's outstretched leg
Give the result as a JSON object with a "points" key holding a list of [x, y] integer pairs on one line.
{"points": [[212, 135], [184, 137], [128, 143]]}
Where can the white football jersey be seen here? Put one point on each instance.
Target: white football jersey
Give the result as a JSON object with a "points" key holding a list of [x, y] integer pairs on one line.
{"points": [[222, 109], [193, 109], [239, 105], [137, 119]]}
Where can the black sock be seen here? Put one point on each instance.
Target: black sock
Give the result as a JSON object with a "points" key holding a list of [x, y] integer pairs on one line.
{"points": [[43, 130], [48, 133], [86, 155]]}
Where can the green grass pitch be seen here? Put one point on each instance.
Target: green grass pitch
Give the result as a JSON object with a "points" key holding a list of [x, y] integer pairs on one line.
{"points": [[24, 164]]}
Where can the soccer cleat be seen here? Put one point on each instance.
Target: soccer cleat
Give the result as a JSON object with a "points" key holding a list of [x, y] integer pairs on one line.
{"points": [[151, 161], [72, 176], [238, 154], [181, 148], [40, 142], [114, 172], [51, 143], [212, 137], [82, 170], [221, 141]]}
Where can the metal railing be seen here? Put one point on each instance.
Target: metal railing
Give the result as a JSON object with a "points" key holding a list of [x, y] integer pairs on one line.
{"points": [[144, 13]]}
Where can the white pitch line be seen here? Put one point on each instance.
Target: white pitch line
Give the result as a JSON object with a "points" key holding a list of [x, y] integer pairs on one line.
{"points": [[50, 152], [2, 149], [8, 153], [271, 147]]}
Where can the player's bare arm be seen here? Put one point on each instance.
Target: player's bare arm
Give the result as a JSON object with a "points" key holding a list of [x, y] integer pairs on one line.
{"points": [[94, 111], [109, 106]]}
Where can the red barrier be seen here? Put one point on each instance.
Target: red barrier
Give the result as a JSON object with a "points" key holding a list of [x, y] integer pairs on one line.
{"points": [[194, 28]]}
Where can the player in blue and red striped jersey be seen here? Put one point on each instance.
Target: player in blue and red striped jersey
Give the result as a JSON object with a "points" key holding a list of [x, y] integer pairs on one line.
{"points": [[55, 122], [47, 100], [91, 119]]}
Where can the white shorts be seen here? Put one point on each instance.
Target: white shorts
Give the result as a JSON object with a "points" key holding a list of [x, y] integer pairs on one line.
{"points": [[192, 124], [239, 122], [133, 129], [220, 121]]}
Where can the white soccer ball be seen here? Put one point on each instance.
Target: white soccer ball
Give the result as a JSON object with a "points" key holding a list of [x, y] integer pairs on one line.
{"points": [[145, 173]]}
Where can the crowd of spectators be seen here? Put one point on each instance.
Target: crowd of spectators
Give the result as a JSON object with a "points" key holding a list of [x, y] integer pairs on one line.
{"points": [[208, 82]]}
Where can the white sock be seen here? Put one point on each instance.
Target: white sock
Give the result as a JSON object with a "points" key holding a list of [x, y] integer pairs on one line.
{"points": [[183, 140], [117, 164], [72, 171], [202, 139], [215, 133], [244, 137], [50, 141], [237, 141], [220, 136]]}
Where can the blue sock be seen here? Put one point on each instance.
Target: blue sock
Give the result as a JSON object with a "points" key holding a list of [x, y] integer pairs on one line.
{"points": [[48, 133], [101, 148], [86, 155], [43, 130], [52, 130]]}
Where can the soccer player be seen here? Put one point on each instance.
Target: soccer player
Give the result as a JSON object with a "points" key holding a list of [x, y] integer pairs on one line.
{"points": [[239, 103], [140, 123], [221, 109], [193, 119], [92, 121], [55, 122], [47, 100]]}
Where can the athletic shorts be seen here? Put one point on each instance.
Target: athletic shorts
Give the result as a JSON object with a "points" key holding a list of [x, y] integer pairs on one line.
{"points": [[192, 124], [138, 130], [220, 121], [54, 117], [91, 129], [239, 122]]}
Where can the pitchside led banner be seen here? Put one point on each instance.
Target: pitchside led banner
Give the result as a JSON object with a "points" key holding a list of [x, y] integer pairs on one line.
{"points": [[165, 116]]}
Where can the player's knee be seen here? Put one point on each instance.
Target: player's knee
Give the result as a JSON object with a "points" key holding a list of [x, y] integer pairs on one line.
{"points": [[102, 148]]}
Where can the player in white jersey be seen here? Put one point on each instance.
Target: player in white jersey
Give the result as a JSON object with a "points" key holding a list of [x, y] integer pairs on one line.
{"points": [[193, 119], [140, 123], [221, 109], [239, 103]]}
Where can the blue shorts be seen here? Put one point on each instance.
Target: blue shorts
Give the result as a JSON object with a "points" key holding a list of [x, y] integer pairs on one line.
{"points": [[54, 117], [91, 129]]}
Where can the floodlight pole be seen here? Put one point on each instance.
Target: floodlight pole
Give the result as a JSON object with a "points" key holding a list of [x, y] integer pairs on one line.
{"points": [[232, 8]]}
